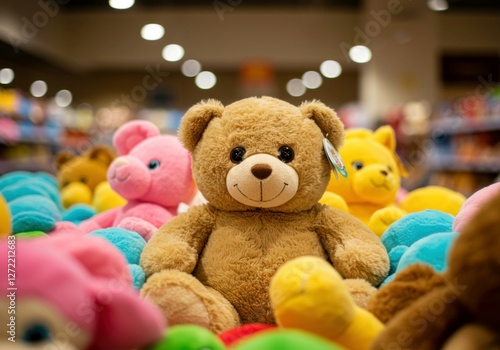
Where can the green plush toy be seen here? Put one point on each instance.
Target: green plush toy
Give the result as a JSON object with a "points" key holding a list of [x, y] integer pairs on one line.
{"points": [[188, 337], [286, 339]]}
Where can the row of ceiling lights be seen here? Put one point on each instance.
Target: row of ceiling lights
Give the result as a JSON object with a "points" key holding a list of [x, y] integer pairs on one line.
{"points": [[38, 88]]}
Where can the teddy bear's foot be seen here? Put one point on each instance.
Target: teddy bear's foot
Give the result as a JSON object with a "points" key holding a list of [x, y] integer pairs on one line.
{"points": [[185, 300], [361, 291]]}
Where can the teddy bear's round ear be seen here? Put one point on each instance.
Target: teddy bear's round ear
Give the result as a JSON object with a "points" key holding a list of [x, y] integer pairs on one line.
{"points": [[327, 121], [62, 158], [195, 121], [386, 137], [132, 133], [102, 154]]}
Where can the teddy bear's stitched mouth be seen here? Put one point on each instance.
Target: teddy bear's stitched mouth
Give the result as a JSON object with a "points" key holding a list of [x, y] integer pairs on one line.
{"points": [[384, 185], [261, 194]]}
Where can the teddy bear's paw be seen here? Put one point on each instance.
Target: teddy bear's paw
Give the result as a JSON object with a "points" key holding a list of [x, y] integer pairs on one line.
{"points": [[185, 300], [361, 291], [176, 255], [308, 293], [383, 218], [142, 227]]}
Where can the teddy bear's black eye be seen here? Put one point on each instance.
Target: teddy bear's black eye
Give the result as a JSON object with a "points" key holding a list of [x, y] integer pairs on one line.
{"points": [[358, 165], [237, 154], [286, 154], [153, 164], [83, 180]]}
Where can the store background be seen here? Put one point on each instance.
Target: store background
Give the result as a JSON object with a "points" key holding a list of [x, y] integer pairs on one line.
{"points": [[433, 73]]}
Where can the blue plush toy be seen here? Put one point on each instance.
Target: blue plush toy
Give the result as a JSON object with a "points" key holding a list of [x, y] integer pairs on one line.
{"points": [[422, 237], [131, 245], [35, 202]]}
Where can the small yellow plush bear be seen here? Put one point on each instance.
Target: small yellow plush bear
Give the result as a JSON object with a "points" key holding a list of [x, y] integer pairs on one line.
{"points": [[374, 177], [82, 179], [307, 293], [5, 221]]}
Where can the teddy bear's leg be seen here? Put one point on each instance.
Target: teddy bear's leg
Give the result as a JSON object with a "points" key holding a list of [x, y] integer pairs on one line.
{"points": [[185, 300], [361, 291]]}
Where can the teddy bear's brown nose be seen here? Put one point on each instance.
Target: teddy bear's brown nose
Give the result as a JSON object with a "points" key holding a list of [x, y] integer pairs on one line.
{"points": [[261, 171]]}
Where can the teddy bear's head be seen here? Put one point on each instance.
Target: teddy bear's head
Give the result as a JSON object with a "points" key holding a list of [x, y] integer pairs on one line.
{"points": [[79, 175], [260, 152], [374, 170], [152, 167]]}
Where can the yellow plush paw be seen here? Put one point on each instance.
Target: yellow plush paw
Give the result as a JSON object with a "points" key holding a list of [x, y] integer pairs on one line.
{"points": [[308, 293], [334, 200], [105, 198], [383, 218]]}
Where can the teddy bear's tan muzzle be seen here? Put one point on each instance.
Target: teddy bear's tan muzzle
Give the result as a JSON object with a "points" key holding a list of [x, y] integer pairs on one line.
{"points": [[262, 181]]}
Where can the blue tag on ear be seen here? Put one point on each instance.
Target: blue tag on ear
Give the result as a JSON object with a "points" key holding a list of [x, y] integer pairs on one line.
{"points": [[334, 159]]}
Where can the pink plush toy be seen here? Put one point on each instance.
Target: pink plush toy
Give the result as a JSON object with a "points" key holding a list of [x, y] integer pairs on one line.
{"points": [[74, 293], [153, 174], [472, 205]]}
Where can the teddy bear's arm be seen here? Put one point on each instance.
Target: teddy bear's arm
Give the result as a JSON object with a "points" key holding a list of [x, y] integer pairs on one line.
{"points": [[102, 220], [354, 250], [177, 244]]}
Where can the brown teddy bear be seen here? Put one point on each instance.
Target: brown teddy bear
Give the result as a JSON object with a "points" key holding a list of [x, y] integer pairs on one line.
{"points": [[459, 309], [79, 176], [260, 164]]}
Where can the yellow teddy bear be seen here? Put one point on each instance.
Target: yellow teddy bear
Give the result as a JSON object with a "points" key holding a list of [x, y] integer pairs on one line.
{"points": [[374, 177]]}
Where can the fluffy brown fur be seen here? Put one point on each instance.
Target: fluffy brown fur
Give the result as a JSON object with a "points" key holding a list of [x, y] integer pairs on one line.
{"points": [[409, 285], [234, 249], [470, 295]]}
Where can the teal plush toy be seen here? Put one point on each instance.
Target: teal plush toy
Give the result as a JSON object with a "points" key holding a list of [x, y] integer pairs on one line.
{"points": [[424, 237], [35, 202], [131, 245]]}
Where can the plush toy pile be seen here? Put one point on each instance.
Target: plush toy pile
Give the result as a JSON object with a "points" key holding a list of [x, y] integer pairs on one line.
{"points": [[217, 240]]}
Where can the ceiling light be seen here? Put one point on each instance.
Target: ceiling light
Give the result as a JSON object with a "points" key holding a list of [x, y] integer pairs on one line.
{"points": [[6, 76], [152, 31], [63, 98], [38, 88], [360, 54], [121, 4], [312, 79], [191, 68], [173, 52], [438, 5], [295, 87], [330, 69], [205, 80]]}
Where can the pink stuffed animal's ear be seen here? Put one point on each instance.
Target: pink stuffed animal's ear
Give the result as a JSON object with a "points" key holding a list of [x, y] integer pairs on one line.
{"points": [[99, 257], [126, 321], [132, 133]]}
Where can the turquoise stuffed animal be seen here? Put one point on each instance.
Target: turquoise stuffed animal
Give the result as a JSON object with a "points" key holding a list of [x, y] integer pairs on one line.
{"points": [[423, 237], [35, 202], [131, 245]]}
